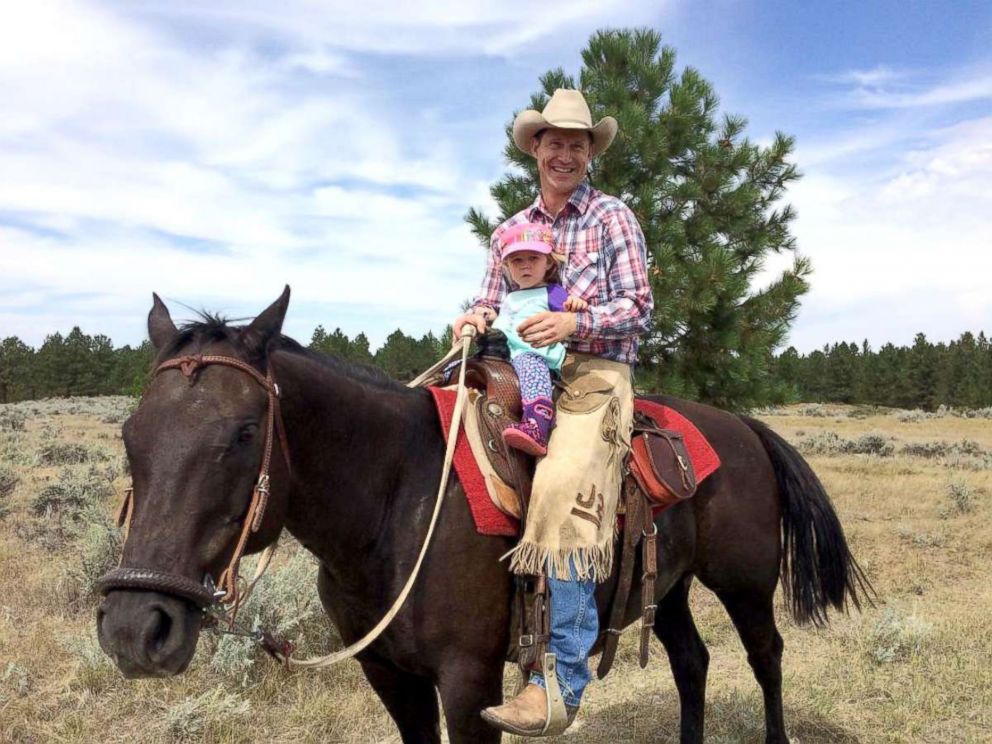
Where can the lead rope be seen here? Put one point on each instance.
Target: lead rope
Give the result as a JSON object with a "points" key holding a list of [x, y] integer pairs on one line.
{"points": [[319, 662]]}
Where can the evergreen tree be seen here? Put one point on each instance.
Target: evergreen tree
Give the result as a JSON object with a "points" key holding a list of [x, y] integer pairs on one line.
{"points": [[336, 344], [843, 373], [788, 371], [707, 199], [49, 359], [16, 373], [359, 350], [923, 366], [402, 357]]}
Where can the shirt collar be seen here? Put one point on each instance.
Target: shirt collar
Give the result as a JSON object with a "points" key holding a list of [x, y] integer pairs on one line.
{"points": [[579, 201]]}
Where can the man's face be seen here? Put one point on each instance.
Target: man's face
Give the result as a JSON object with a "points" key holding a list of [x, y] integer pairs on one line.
{"points": [[562, 158]]}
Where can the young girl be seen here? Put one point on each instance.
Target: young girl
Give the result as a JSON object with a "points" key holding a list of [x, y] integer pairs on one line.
{"points": [[532, 264]]}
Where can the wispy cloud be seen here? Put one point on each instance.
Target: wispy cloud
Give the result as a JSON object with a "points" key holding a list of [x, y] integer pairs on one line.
{"points": [[438, 27], [873, 77], [883, 87]]}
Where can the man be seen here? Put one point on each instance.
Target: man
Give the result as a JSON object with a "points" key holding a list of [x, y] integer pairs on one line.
{"points": [[569, 532]]}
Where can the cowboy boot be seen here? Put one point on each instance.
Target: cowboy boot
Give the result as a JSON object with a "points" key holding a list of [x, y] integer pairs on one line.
{"points": [[531, 434], [526, 714]]}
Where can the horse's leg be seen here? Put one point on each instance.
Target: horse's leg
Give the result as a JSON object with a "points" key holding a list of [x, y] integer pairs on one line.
{"points": [[687, 656], [754, 617], [410, 700], [467, 686]]}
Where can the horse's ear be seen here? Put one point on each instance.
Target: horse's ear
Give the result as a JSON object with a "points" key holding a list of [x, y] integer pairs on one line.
{"points": [[161, 330], [267, 326]]}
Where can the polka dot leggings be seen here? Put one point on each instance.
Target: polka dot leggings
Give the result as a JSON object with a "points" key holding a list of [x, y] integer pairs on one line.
{"points": [[535, 377]]}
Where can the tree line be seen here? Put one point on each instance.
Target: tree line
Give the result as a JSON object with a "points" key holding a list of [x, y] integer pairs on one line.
{"points": [[924, 375], [80, 364]]}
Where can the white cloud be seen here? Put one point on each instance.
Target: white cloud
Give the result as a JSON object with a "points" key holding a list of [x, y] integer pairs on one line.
{"points": [[433, 27], [904, 252]]}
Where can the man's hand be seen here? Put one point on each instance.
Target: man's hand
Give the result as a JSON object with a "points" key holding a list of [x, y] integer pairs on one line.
{"points": [[547, 328], [472, 317]]}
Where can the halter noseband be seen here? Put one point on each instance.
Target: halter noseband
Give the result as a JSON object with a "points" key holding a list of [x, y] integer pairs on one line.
{"points": [[226, 591]]}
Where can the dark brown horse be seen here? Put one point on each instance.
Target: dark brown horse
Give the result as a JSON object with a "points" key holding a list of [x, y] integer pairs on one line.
{"points": [[366, 456]]}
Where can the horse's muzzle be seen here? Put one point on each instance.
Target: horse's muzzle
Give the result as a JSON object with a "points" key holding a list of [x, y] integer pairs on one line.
{"points": [[148, 634]]}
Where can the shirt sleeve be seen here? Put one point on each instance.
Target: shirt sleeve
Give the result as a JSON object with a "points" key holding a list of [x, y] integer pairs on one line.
{"points": [[628, 309], [494, 283], [556, 298]]}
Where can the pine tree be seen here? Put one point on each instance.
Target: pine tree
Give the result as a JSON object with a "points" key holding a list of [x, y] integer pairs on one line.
{"points": [[16, 367], [707, 199], [922, 373]]}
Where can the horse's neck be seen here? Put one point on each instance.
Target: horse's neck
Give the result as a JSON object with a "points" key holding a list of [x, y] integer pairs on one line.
{"points": [[361, 455]]}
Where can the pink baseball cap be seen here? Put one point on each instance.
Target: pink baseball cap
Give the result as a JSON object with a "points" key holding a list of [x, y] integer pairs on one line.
{"points": [[527, 236]]}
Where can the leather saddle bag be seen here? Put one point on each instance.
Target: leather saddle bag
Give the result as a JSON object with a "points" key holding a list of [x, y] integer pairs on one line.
{"points": [[660, 463]]}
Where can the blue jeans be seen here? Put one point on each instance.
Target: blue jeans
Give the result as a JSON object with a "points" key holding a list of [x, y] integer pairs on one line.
{"points": [[574, 627]]}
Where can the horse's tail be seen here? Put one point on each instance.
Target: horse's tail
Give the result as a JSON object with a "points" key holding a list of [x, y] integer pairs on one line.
{"points": [[818, 570]]}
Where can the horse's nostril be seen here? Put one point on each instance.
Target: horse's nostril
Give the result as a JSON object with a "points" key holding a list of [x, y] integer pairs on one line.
{"points": [[160, 629]]}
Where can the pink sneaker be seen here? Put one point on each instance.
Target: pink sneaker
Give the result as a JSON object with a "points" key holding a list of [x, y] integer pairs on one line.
{"points": [[526, 437]]}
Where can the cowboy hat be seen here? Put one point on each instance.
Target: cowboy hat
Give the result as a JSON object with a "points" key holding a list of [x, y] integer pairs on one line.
{"points": [[567, 109]]}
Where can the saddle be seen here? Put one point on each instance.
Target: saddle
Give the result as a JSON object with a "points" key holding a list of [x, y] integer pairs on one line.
{"points": [[658, 462], [497, 407], [659, 475]]}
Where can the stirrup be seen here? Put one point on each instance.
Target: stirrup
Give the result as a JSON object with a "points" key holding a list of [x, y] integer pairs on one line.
{"points": [[557, 716]]}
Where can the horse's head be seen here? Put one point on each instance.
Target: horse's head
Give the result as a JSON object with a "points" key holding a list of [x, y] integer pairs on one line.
{"points": [[196, 446]]}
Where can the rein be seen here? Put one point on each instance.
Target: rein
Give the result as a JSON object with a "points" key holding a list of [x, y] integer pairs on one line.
{"points": [[221, 603]]}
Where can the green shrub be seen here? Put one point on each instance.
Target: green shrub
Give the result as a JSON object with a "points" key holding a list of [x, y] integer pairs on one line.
{"points": [[188, 719], [830, 443], [97, 542], [63, 453], [11, 419], [8, 481], [14, 682], [285, 602], [72, 492], [927, 450], [871, 444], [95, 671], [896, 637], [961, 500]]}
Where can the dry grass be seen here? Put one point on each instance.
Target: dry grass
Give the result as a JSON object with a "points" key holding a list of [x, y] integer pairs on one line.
{"points": [[918, 668]]}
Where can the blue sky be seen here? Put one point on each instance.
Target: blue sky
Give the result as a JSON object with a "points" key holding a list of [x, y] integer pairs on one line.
{"points": [[214, 152]]}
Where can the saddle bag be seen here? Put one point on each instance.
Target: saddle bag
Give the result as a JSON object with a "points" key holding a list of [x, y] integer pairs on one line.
{"points": [[660, 463]]}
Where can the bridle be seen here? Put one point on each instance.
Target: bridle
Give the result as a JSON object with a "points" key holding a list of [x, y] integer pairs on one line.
{"points": [[227, 590], [212, 600]]}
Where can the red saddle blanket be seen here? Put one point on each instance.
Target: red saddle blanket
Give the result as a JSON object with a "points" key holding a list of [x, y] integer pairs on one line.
{"points": [[491, 521]]}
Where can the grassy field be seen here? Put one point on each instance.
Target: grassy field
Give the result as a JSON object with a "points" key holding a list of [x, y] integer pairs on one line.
{"points": [[912, 490]]}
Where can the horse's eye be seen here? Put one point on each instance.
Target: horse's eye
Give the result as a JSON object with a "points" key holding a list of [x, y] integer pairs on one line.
{"points": [[247, 434]]}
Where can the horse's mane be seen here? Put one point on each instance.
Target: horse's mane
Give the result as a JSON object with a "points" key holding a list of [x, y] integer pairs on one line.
{"points": [[211, 328]]}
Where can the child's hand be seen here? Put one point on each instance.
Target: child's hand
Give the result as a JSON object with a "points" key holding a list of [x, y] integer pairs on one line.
{"points": [[575, 304]]}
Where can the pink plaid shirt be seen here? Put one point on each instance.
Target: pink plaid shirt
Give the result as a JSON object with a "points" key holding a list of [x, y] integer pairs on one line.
{"points": [[605, 264]]}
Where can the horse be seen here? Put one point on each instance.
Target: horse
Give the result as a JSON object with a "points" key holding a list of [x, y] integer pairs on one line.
{"points": [[356, 488]]}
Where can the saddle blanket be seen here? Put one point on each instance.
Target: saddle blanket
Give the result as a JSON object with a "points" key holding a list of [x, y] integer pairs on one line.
{"points": [[491, 521]]}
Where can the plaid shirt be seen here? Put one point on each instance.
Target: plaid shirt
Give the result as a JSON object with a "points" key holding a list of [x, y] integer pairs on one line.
{"points": [[605, 265]]}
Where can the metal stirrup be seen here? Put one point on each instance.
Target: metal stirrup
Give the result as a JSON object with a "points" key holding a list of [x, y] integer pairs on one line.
{"points": [[557, 716]]}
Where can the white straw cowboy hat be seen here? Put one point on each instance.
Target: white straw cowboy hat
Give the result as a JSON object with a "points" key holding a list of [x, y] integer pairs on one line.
{"points": [[567, 109]]}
